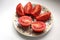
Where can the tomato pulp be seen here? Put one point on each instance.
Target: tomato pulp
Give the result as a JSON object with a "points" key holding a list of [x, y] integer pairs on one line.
{"points": [[20, 10], [38, 26], [36, 10], [25, 21], [43, 17], [28, 8]]}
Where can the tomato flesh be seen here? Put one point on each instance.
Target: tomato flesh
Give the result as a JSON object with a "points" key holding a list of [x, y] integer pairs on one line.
{"points": [[43, 17], [20, 10], [38, 26], [36, 10], [28, 8], [25, 20]]}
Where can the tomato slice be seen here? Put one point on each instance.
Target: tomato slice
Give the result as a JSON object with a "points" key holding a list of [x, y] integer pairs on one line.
{"points": [[36, 10], [19, 10], [43, 17], [38, 26], [28, 8], [25, 21]]}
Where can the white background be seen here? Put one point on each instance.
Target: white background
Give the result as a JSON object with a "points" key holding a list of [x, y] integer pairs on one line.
{"points": [[7, 8]]}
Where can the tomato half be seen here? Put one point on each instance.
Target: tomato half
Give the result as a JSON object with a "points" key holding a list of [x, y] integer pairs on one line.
{"points": [[43, 17], [28, 8], [38, 26], [25, 21], [19, 10], [36, 10]]}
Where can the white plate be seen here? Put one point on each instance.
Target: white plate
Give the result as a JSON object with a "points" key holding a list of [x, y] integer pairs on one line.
{"points": [[28, 32]]}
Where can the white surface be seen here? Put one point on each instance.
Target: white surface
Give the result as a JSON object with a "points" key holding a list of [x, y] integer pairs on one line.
{"points": [[7, 31]]}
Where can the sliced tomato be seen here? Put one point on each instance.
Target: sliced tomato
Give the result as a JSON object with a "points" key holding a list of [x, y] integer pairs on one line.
{"points": [[43, 17], [38, 26], [28, 8], [19, 10], [25, 21], [36, 10]]}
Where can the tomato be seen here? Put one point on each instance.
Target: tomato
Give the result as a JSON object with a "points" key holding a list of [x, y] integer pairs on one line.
{"points": [[28, 8], [19, 10], [36, 10], [38, 26], [43, 17], [25, 21]]}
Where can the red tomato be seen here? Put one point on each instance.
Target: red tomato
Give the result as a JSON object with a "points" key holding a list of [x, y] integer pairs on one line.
{"points": [[25, 21], [43, 17], [36, 10], [28, 8], [20, 10], [38, 26]]}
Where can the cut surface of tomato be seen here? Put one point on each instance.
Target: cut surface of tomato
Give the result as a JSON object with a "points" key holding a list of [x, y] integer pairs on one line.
{"points": [[28, 8], [25, 20], [38, 26], [36, 10], [43, 17], [19, 10]]}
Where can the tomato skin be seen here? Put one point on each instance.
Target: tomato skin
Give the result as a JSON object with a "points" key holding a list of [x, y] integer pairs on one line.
{"points": [[25, 21], [20, 10], [41, 26], [43, 17], [28, 8], [36, 10]]}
